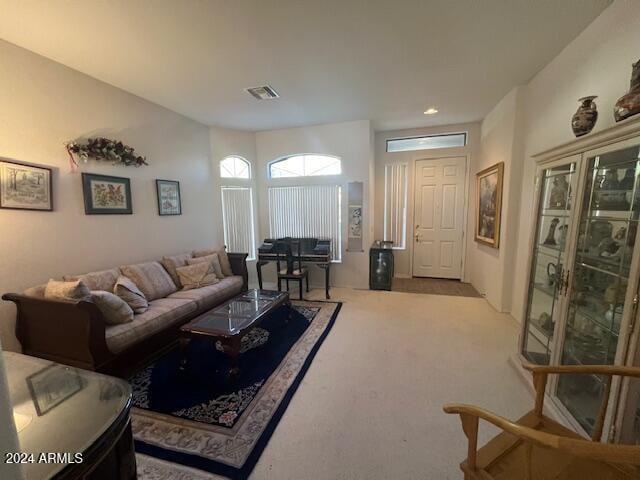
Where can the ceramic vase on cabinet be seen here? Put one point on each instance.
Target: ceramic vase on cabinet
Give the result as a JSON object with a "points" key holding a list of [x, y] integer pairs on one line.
{"points": [[585, 118], [629, 104]]}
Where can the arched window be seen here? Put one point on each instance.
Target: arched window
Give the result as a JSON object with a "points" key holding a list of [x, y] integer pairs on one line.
{"points": [[306, 165], [235, 167]]}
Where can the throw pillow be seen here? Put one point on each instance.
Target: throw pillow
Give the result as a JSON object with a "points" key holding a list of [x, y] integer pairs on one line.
{"points": [[114, 309], [173, 262], [151, 278], [212, 259], [197, 275], [131, 294], [222, 256], [101, 280], [60, 290]]}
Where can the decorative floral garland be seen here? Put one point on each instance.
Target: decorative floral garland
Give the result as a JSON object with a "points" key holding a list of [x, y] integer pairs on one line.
{"points": [[104, 149]]}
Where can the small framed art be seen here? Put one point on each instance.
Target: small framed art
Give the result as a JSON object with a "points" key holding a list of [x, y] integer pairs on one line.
{"points": [[169, 202], [104, 195], [25, 187]]}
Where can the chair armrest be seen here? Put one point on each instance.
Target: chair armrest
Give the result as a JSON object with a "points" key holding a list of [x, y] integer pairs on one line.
{"points": [[627, 454], [584, 369], [70, 332], [238, 263]]}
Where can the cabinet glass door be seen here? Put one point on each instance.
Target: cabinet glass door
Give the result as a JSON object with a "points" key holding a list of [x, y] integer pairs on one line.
{"points": [[546, 280], [606, 238]]}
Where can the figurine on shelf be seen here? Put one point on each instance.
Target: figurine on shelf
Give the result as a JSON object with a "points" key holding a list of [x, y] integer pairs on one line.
{"points": [[551, 235], [629, 179], [563, 235], [554, 273], [611, 247], [546, 323], [559, 193], [598, 231], [629, 104], [609, 181]]}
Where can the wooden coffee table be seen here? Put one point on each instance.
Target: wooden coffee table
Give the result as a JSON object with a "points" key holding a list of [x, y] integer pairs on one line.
{"points": [[231, 321]]}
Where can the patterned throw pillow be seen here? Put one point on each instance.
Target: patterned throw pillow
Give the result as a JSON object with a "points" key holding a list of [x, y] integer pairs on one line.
{"points": [[151, 278], [197, 275], [60, 290], [101, 280], [222, 256], [173, 262], [114, 309], [212, 259], [131, 294]]}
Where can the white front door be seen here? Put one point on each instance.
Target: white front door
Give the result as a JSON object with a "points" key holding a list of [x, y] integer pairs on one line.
{"points": [[439, 217]]}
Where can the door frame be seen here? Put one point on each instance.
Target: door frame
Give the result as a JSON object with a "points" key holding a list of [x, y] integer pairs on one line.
{"points": [[465, 207]]}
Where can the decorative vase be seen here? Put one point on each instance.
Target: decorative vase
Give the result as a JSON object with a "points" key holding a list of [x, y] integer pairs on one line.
{"points": [[585, 117], [629, 104]]}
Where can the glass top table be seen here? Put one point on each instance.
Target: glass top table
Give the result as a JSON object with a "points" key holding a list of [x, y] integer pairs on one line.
{"points": [[231, 321], [58, 408], [237, 314]]}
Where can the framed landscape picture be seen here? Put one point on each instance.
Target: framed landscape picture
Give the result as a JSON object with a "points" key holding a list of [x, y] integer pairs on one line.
{"points": [[489, 205], [105, 195], [25, 187], [169, 202]]}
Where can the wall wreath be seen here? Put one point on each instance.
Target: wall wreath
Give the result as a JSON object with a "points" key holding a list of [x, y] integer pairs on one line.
{"points": [[104, 149]]}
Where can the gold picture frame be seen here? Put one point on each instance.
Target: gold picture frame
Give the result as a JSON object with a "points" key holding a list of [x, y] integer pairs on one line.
{"points": [[489, 205]]}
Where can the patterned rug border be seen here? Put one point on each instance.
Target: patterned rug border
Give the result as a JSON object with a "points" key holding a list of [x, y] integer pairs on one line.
{"points": [[234, 473]]}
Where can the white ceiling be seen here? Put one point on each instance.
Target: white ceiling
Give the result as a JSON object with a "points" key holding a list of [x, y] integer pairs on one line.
{"points": [[330, 60]]}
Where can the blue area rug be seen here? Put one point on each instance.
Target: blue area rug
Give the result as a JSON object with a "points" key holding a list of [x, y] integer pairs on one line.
{"points": [[200, 419]]}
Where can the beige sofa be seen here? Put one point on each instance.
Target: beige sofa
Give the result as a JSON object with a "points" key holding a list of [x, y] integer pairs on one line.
{"points": [[75, 332]]}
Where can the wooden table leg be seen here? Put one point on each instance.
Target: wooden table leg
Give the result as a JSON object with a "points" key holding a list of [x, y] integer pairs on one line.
{"points": [[259, 271], [231, 346], [184, 342], [326, 280]]}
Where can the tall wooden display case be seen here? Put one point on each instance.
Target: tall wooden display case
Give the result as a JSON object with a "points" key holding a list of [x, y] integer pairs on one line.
{"points": [[582, 304]]}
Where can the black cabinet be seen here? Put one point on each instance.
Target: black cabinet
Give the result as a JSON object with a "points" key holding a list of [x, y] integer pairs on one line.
{"points": [[380, 265]]}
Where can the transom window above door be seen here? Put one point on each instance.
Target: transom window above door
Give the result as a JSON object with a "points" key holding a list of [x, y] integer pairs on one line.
{"points": [[305, 165], [235, 167]]}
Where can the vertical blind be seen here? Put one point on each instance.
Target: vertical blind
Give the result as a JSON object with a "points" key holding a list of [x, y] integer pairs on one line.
{"points": [[395, 204], [237, 217], [307, 211]]}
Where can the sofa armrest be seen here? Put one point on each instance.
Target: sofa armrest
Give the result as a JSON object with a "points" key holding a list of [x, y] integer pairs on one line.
{"points": [[238, 263], [70, 332]]}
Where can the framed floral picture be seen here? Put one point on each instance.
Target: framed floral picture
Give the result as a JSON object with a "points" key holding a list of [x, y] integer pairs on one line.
{"points": [[25, 187], [104, 195], [489, 205], [169, 202]]}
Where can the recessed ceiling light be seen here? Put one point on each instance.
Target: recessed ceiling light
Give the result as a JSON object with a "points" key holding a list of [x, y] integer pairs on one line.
{"points": [[430, 111]]}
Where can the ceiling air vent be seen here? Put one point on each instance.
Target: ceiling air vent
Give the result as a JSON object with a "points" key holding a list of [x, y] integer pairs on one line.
{"points": [[264, 92]]}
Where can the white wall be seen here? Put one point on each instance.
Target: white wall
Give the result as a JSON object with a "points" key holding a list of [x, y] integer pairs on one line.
{"points": [[597, 62], [44, 105], [491, 269], [352, 142], [402, 258]]}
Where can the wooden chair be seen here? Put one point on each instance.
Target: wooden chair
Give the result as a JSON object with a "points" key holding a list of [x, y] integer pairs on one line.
{"points": [[290, 272], [538, 448]]}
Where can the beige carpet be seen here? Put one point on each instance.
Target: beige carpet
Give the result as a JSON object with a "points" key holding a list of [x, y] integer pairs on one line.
{"points": [[370, 406], [434, 286]]}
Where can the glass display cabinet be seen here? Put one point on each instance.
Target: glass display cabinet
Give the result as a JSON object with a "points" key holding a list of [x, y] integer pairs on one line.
{"points": [[583, 282]]}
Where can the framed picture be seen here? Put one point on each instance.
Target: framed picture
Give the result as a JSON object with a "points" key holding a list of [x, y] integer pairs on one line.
{"points": [[169, 202], [25, 187], [105, 195], [53, 385], [489, 204]]}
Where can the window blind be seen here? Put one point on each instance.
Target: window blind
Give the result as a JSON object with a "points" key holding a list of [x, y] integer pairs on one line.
{"points": [[237, 218], [395, 204], [307, 211]]}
